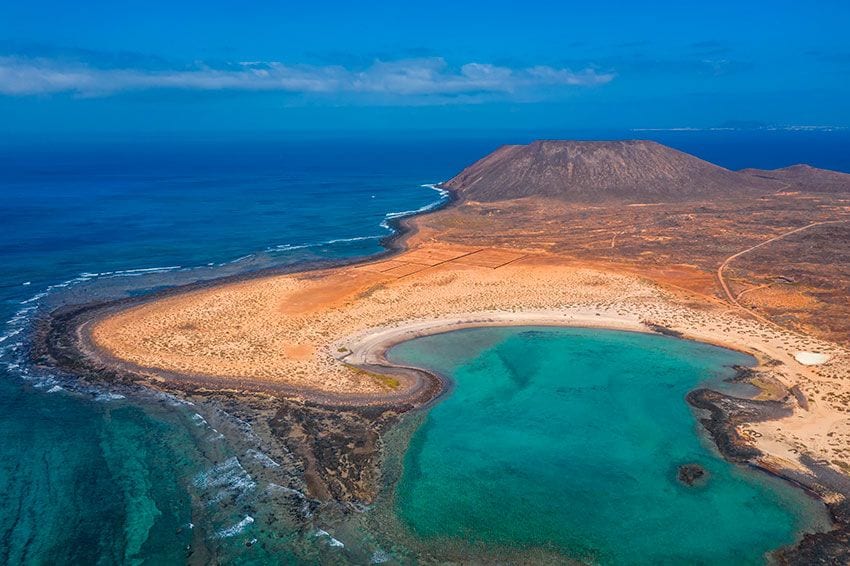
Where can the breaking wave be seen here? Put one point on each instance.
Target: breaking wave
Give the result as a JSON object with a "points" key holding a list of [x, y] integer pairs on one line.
{"points": [[385, 224], [227, 479], [237, 528], [444, 196], [332, 542]]}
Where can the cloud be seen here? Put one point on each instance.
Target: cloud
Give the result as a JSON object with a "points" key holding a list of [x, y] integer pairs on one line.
{"points": [[432, 76]]}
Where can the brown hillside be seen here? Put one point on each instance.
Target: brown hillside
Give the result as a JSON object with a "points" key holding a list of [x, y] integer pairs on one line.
{"points": [[806, 178], [578, 171]]}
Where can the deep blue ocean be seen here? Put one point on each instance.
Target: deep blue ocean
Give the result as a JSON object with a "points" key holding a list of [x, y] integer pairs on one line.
{"points": [[97, 479]]}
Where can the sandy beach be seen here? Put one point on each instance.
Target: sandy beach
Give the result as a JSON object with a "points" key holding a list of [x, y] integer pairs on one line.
{"points": [[321, 335]]}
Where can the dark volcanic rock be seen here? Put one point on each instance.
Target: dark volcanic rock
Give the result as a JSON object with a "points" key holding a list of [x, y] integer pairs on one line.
{"points": [[831, 547], [725, 413], [661, 329], [339, 447], [692, 474], [575, 171]]}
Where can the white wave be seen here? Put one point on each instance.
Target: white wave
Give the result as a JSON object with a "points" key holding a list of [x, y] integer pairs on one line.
{"points": [[199, 420], [356, 239], [56, 389], [35, 298], [21, 315], [232, 261], [436, 187], [331, 540], [290, 247], [285, 490], [444, 194], [26, 283], [39, 382], [262, 458], [108, 397], [336, 543], [11, 334], [137, 271], [21, 319], [88, 276], [237, 528], [226, 478]]}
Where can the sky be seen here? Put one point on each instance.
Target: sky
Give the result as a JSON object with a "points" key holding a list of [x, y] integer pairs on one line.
{"points": [[91, 67]]}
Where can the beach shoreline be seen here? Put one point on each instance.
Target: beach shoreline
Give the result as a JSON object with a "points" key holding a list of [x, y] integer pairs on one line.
{"points": [[65, 340], [59, 336]]}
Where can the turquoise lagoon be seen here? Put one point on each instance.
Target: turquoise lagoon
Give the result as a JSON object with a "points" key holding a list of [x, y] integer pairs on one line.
{"points": [[566, 442]]}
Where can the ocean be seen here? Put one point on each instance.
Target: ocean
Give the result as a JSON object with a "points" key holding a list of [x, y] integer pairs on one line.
{"points": [[88, 477]]}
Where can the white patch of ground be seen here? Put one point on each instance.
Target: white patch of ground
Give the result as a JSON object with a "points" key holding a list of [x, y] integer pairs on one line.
{"points": [[811, 358]]}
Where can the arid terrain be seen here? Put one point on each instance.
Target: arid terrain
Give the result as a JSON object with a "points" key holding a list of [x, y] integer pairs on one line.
{"points": [[676, 241], [629, 235]]}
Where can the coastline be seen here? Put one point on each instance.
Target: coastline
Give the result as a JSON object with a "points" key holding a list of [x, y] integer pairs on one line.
{"points": [[61, 339], [64, 341]]}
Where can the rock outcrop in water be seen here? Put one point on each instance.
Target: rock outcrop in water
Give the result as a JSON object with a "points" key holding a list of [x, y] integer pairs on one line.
{"points": [[692, 474]]}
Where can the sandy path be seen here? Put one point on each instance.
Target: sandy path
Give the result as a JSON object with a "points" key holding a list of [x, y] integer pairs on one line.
{"points": [[725, 286]]}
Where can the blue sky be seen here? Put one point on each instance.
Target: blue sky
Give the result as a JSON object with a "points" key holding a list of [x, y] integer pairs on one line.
{"points": [[133, 66]]}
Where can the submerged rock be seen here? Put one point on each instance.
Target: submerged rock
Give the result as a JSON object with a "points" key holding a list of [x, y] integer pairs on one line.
{"points": [[692, 474]]}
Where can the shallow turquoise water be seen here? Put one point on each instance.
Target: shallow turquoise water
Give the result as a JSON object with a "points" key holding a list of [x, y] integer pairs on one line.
{"points": [[87, 478], [90, 486], [570, 439]]}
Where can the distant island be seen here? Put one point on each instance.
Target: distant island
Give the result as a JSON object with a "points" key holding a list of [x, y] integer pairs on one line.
{"points": [[624, 235]]}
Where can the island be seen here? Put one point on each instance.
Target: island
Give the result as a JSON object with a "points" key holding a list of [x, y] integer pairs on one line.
{"points": [[626, 235]]}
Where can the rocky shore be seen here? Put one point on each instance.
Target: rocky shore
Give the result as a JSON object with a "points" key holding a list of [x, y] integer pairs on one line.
{"points": [[722, 415], [337, 447]]}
